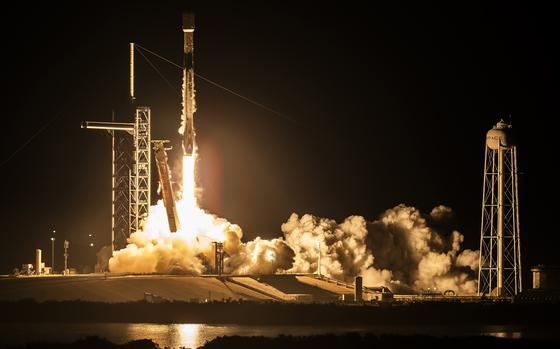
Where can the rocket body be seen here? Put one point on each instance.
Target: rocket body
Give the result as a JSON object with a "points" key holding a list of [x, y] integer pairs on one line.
{"points": [[189, 104]]}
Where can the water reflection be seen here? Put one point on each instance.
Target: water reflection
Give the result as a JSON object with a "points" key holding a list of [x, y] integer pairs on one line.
{"points": [[167, 335], [502, 332], [177, 335], [196, 335], [189, 335]]}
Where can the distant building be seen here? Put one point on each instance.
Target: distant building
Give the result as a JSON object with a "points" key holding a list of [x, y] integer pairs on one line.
{"points": [[546, 285], [546, 277]]}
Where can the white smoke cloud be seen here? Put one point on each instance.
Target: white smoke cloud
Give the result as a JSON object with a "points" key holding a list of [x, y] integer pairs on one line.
{"points": [[190, 250], [441, 213], [468, 258], [344, 253], [417, 255], [169, 254], [260, 256], [399, 249]]}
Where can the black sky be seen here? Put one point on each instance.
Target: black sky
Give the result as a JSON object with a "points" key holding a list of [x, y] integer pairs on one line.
{"points": [[391, 105]]}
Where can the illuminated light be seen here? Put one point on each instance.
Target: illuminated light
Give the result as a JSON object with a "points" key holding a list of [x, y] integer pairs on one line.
{"points": [[189, 335], [270, 256], [170, 335], [91, 244]]}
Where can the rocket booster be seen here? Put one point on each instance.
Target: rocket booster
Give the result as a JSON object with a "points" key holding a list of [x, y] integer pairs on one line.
{"points": [[189, 104]]}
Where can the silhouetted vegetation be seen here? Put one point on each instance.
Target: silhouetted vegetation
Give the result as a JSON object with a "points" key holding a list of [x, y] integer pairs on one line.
{"points": [[356, 341], [282, 313], [89, 343], [327, 341]]}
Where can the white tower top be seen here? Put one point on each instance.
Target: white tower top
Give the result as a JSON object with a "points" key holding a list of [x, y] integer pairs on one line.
{"points": [[500, 137]]}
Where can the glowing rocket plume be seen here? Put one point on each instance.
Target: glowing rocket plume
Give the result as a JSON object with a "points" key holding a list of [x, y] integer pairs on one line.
{"points": [[189, 184]]}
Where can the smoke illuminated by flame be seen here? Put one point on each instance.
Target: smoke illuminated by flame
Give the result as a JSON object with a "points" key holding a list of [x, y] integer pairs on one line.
{"points": [[397, 250], [155, 249]]}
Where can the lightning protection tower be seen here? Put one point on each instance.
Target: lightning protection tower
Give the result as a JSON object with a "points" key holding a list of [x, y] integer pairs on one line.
{"points": [[500, 250]]}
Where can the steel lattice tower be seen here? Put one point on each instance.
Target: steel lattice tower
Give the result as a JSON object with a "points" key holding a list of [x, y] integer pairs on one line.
{"points": [[140, 182], [500, 250], [122, 164]]}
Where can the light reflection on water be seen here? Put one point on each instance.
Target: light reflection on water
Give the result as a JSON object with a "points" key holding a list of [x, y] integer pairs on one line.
{"points": [[195, 335], [502, 332]]}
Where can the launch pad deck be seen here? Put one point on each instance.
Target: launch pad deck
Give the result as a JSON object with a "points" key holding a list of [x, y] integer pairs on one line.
{"points": [[128, 288]]}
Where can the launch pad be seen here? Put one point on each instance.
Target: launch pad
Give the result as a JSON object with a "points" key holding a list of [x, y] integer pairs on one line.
{"points": [[301, 288], [190, 237]]}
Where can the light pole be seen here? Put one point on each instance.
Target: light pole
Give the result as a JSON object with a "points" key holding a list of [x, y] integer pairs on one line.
{"points": [[52, 251], [91, 247]]}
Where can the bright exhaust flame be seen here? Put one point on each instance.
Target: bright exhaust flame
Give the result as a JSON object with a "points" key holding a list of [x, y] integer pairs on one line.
{"points": [[189, 250], [193, 220], [188, 181]]}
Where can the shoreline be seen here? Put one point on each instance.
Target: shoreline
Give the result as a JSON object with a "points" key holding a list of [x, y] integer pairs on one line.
{"points": [[275, 313]]}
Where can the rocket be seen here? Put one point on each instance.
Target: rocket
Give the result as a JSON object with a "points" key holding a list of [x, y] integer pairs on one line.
{"points": [[189, 105]]}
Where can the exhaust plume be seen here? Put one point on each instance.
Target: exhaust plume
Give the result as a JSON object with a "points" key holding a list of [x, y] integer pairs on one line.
{"points": [[418, 255], [398, 250]]}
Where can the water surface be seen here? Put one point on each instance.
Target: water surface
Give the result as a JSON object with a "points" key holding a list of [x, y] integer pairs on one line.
{"points": [[195, 335]]}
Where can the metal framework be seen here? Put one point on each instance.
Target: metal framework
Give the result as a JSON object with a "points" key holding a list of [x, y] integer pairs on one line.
{"points": [[218, 257], [165, 184], [131, 173], [500, 250], [140, 174], [120, 208]]}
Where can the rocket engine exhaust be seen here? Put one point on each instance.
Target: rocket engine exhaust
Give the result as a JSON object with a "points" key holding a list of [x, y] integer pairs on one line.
{"points": [[189, 105]]}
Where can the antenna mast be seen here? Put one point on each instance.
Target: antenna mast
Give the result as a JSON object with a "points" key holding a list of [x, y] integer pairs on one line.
{"points": [[132, 98]]}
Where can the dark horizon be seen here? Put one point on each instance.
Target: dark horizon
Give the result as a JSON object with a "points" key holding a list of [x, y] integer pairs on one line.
{"points": [[390, 106]]}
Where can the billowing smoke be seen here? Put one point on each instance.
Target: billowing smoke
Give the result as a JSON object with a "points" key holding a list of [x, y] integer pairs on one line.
{"points": [[259, 256], [190, 250], [344, 253], [418, 255], [399, 249], [103, 256]]}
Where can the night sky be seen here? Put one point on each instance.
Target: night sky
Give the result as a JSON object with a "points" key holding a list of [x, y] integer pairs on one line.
{"points": [[380, 106]]}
